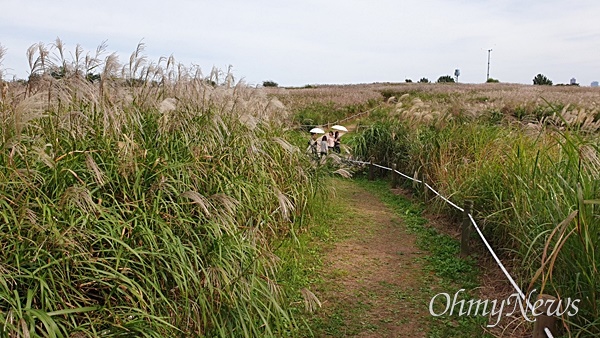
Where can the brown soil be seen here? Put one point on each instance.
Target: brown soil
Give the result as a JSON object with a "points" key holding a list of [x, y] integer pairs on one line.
{"points": [[373, 277]]}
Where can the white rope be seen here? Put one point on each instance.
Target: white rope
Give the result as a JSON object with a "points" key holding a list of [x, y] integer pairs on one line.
{"points": [[382, 167], [510, 279], [485, 242], [406, 176], [410, 178], [444, 198]]}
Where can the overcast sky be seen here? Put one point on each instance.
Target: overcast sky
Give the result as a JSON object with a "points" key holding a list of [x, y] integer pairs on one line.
{"points": [[301, 42]]}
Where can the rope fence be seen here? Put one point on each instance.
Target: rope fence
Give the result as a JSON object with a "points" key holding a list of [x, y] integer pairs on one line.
{"points": [[542, 322], [340, 121]]}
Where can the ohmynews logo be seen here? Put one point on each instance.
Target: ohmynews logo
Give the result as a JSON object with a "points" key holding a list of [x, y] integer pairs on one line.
{"points": [[477, 307]]}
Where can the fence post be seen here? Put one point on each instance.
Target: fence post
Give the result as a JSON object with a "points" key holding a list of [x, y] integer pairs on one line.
{"points": [[394, 176], [414, 182], [543, 320], [466, 230], [425, 189], [371, 170]]}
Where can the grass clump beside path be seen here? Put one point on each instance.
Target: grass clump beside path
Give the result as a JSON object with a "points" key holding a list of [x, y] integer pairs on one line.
{"points": [[382, 264], [144, 208]]}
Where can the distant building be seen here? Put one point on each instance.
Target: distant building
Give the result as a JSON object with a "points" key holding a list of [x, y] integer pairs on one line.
{"points": [[594, 83], [573, 81]]}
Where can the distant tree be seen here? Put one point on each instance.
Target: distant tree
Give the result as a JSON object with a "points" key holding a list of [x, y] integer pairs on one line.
{"points": [[270, 83], [424, 80], [92, 77], [490, 80], [542, 80], [408, 80], [567, 84], [135, 83], [445, 79], [58, 73]]}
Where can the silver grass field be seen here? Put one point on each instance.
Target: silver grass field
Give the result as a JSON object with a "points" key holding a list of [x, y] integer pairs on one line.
{"points": [[143, 199]]}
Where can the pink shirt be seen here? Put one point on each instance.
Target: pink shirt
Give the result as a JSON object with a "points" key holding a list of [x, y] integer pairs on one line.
{"points": [[330, 141]]}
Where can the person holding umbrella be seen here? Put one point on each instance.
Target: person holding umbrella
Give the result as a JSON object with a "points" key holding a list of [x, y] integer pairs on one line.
{"points": [[330, 141], [339, 130], [336, 139], [313, 142]]}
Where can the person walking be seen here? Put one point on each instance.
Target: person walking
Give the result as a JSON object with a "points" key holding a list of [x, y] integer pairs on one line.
{"points": [[313, 143], [323, 146], [330, 141], [336, 144]]}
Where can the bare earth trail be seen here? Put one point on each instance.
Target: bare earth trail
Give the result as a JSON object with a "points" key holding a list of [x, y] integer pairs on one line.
{"points": [[374, 284]]}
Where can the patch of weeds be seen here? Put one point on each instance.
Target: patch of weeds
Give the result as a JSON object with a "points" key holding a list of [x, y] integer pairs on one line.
{"points": [[457, 327], [493, 116], [372, 327], [333, 325], [338, 273], [444, 259], [404, 296]]}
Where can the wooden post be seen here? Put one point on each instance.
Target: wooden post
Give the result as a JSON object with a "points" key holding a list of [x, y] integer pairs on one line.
{"points": [[425, 189], [542, 320], [465, 249], [414, 182], [394, 177], [397, 168], [371, 170]]}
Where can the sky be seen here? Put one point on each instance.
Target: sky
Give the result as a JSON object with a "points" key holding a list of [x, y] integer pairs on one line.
{"points": [[300, 42]]}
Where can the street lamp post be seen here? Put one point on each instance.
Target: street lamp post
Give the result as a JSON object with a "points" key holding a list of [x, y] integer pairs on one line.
{"points": [[488, 67]]}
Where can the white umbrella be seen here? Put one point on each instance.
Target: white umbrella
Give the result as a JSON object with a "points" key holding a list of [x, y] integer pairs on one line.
{"points": [[317, 131], [340, 128]]}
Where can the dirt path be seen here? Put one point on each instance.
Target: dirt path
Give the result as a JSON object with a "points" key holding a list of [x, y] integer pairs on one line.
{"points": [[374, 284]]}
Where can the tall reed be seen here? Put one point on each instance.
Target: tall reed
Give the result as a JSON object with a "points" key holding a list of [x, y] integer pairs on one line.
{"points": [[144, 201]]}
